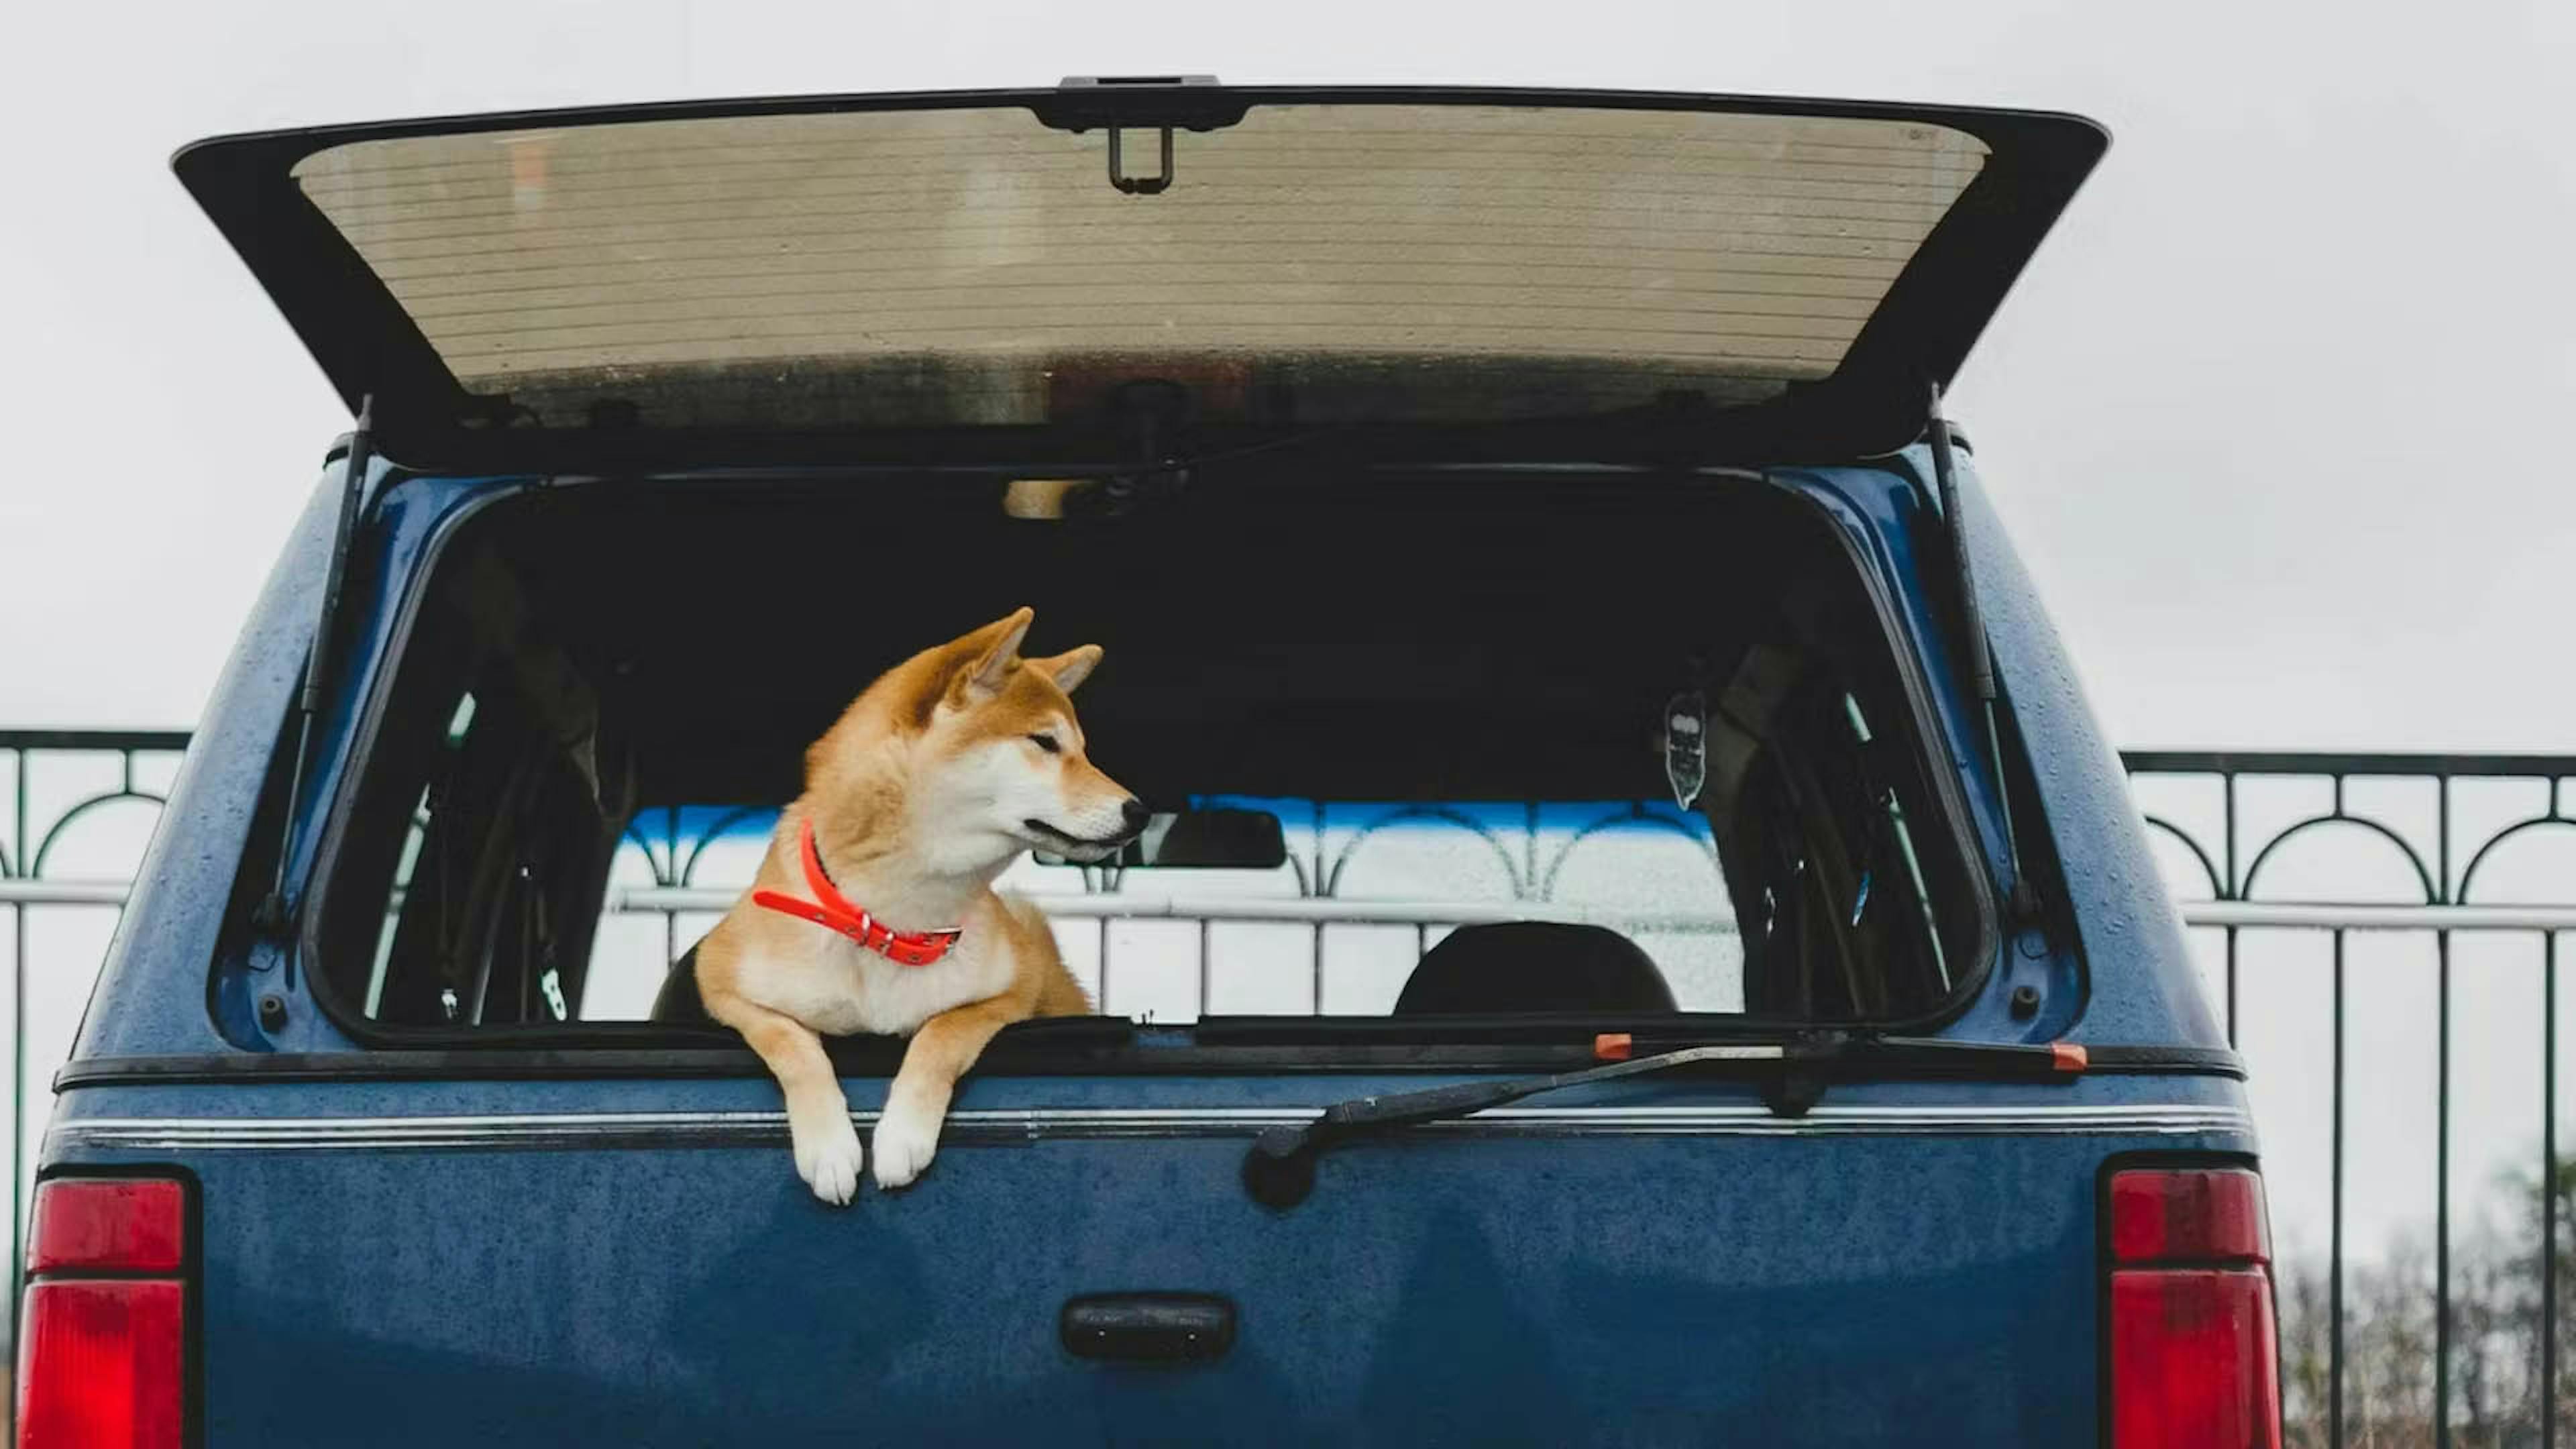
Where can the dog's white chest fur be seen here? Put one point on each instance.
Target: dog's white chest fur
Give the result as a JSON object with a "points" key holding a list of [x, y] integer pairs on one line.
{"points": [[836, 986]]}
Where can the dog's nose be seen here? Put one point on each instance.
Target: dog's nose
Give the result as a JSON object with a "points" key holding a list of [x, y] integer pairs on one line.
{"points": [[1135, 812]]}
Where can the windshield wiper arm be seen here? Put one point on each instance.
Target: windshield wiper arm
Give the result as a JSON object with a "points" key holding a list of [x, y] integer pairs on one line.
{"points": [[1279, 1167]]}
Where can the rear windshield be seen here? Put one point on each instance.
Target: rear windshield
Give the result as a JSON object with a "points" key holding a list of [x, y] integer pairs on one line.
{"points": [[1602, 746], [1308, 263]]}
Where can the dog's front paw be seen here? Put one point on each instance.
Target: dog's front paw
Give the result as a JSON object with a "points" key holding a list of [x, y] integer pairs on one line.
{"points": [[828, 1155], [907, 1136]]}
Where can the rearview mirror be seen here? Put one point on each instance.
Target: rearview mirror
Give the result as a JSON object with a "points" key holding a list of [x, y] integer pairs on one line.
{"points": [[1200, 840]]}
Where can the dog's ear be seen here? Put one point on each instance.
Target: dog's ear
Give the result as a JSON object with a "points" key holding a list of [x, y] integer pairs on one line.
{"points": [[1070, 668], [987, 656]]}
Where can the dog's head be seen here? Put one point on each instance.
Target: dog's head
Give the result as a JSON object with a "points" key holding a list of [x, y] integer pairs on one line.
{"points": [[992, 758]]}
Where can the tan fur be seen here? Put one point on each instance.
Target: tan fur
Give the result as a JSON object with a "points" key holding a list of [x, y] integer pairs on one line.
{"points": [[916, 796]]}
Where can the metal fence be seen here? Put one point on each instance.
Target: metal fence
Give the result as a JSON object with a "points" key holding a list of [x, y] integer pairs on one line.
{"points": [[2444, 829], [46, 807], [1524, 862], [2449, 846]]}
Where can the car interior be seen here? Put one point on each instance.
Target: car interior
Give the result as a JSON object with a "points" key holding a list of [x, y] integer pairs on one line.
{"points": [[1704, 651]]}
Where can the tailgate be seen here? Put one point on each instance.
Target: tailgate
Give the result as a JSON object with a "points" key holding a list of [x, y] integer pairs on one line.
{"points": [[637, 1263]]}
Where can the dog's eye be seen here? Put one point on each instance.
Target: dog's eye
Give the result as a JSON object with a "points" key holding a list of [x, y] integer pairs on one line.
{"points": [[1046, 743]]}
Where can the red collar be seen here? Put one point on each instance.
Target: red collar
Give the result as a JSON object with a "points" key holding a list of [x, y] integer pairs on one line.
{"points": [[904, 948]]}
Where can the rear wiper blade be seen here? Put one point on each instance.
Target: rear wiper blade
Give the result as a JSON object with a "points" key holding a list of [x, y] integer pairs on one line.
{"points": [[1279, 1167]]}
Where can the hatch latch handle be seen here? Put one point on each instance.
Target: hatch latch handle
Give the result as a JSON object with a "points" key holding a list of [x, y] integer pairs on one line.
{"points": [[1121, 103], [1153, 185]]}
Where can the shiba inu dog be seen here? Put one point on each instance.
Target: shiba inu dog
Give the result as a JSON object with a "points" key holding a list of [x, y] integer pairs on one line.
{"points": [[874, 910]]}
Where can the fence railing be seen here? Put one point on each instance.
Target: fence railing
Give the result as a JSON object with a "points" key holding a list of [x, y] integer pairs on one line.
{"points": [[2262, 849], [2445, 833], [1521, 862]]}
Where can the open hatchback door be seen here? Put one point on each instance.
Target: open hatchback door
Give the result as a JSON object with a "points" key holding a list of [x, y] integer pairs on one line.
{"points": [[1070, 274]]}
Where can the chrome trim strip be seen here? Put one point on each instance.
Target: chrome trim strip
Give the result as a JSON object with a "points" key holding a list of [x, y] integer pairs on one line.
{"points": [[1006, 1126], [2334, 916]]}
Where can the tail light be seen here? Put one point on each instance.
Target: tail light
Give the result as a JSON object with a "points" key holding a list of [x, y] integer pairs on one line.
{"points": [[2195, 1360], [102, 1332]]}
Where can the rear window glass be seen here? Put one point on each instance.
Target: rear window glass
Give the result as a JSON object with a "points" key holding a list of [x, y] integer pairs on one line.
{"points": [[1307, 263], [1457, 700]]}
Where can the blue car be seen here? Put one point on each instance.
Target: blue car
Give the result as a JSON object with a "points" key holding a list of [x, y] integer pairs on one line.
{"points": [[1641, 939]]}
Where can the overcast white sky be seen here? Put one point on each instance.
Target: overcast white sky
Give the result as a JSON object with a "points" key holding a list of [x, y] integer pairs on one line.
{"points": [[2277, 415]]}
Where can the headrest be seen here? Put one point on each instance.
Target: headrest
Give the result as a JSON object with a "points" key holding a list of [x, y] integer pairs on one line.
{"points": [[1534, 966]]}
